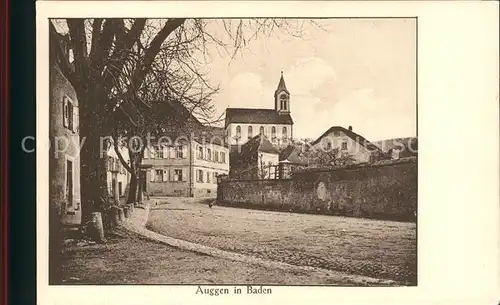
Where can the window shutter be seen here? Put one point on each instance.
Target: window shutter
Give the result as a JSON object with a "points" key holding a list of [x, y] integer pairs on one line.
{"points": [[165, 175], [184, 174], [184, 151], [165, 152], [75, 119], [152, 176], [152, 152], [65, 112]]}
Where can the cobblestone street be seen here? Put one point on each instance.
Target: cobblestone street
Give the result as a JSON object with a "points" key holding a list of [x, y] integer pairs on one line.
{"points": [[380, 249]]}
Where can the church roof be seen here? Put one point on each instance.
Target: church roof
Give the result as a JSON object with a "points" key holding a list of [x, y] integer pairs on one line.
{"points": [[256, 116]]}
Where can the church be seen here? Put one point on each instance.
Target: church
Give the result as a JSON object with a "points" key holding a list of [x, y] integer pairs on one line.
{"points": [[242, 124]]}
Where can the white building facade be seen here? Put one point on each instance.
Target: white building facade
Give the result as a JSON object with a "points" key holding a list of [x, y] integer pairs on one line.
{"points": [[242, 124]]}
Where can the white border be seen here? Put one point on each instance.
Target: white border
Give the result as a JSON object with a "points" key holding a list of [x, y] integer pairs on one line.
{"points": [[458, 225]]}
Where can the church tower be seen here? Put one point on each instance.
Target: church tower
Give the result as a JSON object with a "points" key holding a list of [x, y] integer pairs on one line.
{"points": [[282, 97]]}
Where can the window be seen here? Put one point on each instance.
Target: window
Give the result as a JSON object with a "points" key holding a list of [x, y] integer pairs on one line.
{"points": [[250, 132], [209, 154], [180, 151], [273, 133], [238, 131], [208, 177], [261, 130], [68, 116], [200, 152], [200, 176], [177, 174], [159, 152], [285, 135], [158, 175], [283, 102], [222, 157], [216, 156], [344, 145], [214, 175], [329, 146]]}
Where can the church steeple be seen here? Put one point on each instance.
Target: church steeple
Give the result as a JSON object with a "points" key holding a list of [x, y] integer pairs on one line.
{"points": [[281, 85], [282, 97]]}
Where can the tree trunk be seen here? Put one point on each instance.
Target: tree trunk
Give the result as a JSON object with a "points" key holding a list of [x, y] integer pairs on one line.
{"points": [[139, 186], [132, 195], [93, 164]]}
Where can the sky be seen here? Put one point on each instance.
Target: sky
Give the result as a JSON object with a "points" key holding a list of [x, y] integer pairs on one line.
{"points": [[347, 72], [340, 72]]}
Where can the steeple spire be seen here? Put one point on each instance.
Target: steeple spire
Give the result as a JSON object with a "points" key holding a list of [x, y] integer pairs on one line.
{"points": [[281, 85]]}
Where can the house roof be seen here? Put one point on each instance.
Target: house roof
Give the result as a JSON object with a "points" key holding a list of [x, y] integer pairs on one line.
{"points": [[354, 136], [258, 144], [291, 154], [256, 116]]}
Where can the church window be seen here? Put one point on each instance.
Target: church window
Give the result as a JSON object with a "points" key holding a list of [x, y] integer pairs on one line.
{"points": [[250, 132], [283, 102], [261, 130], [238, 131], [284, 133]]}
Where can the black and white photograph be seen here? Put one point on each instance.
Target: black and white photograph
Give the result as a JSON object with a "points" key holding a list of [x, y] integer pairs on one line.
{"points": [[252, 151]]}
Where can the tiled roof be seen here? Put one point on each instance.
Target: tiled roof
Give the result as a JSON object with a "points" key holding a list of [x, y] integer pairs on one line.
{"points": [[257, 144], [354, 136], [256, 116], [291, 154]]}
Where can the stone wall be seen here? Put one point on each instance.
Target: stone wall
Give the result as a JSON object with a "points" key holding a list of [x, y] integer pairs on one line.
{"points": [[386, 190]]}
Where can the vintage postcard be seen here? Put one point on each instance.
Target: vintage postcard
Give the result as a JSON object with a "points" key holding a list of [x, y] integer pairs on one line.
{"points": [[252, 151]]}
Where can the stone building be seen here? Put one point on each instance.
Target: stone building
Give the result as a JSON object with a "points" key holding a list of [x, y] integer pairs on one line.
{"points": [[242, 124], [257, 159], [188, 165], [64, 160], [117, 176], [347, 142]]}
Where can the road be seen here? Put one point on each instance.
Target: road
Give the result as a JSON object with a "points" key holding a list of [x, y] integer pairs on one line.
{"points": [[380, 249]]}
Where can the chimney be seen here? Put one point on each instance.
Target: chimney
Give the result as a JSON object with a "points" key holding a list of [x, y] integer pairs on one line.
{"points": [[350, 128]]}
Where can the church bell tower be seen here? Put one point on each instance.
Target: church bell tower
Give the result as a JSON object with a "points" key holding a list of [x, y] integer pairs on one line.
{"points": [[282, 97]]}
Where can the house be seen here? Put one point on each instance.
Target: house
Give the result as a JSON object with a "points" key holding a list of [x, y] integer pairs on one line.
{"points": [[64, 164], [348, 143], [242, 124], [257, 159], [117, 176], [290, 159], [186, 164]]}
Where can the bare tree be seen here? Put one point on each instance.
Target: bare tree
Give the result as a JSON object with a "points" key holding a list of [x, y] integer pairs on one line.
{"points": [[113, 59], [327, 158]]}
